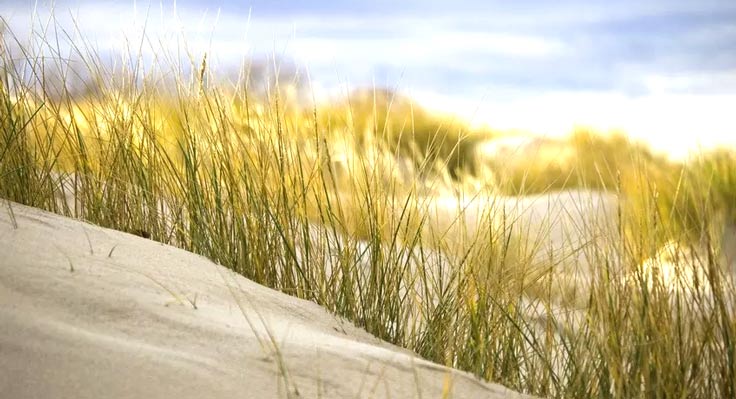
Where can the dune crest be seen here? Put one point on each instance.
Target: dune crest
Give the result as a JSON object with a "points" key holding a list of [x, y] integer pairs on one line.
{"points": [[89, 312]]}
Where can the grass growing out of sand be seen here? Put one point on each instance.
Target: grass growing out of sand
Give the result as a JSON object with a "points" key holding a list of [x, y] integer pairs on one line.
{"points": [[342, 206]]}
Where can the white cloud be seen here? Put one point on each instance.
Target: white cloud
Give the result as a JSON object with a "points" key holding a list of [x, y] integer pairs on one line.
{"points": [[713, 81], [673, 124]]}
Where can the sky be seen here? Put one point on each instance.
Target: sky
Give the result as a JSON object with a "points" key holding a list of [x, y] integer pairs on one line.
{"points": [[662, 71]]}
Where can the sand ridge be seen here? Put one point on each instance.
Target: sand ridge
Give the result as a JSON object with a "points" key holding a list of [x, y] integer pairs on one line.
{"points": [[87, 312]]}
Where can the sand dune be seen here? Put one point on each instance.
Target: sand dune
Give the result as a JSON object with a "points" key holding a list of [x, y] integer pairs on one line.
{"points": [[87, 312], [567, 229]]}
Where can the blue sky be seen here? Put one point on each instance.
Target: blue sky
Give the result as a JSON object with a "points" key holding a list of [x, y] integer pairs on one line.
{"points": [[664, 71]]}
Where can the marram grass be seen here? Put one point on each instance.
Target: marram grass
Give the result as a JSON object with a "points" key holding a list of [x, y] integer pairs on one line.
{"points": [[341, 205]]}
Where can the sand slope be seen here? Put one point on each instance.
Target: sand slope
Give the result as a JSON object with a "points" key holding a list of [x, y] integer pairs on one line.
{"points": [[87, 312]]}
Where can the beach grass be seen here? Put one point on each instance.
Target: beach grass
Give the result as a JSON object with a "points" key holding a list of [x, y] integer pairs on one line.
{"points": [[340, 204]]}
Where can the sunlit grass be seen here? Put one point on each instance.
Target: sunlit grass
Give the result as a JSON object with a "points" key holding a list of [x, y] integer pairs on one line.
{"points": [[379, 212]]}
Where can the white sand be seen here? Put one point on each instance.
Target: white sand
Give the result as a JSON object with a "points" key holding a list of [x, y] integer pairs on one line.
{"points": [[87, 312]]}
